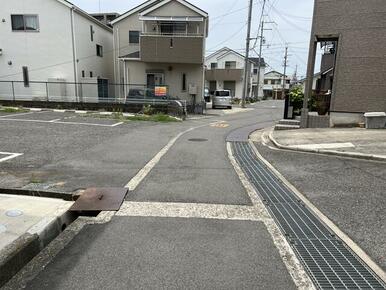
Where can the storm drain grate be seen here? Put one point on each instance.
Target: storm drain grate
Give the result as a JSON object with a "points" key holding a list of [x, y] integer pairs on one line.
{"points": [[329, 262]]}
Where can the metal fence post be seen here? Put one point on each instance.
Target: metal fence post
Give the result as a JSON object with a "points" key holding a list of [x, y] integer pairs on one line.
{"points": [[47, 92], [13, 91]]}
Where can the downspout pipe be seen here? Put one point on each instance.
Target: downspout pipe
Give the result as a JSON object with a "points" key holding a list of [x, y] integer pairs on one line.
{"points": [[74, 57]]}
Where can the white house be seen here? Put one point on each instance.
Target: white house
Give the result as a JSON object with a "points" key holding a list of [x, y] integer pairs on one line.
{"points": [[161, 43], [53, 41], [273, 84], [225, 70]]}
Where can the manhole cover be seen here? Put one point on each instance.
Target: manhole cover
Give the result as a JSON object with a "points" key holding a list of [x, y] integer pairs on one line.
{"points": [[13, 213], [3, 228], [197, 140]]}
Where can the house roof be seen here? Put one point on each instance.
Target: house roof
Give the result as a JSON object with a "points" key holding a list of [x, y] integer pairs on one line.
{"points": [[134, 55], [84, 13], [256, 60], [227, 50], [151, 5]]}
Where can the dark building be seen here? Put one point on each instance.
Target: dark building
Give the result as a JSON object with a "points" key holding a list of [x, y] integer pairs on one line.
{"points": [[105, 18], [356, 66]]}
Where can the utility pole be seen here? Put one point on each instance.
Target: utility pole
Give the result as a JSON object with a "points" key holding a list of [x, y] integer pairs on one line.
{"points": [[246, 66], [261, 49], [285, 71]]}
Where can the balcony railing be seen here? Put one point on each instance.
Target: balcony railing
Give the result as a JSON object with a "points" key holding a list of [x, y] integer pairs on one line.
{"points": [[173, 34]]}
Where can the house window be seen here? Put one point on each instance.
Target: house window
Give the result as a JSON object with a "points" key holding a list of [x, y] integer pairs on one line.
{"points": [[255, 71], [25, 76], [25, 23], [213, 65], [91, 33], [91, 74], [266, 82], [184, 82], [99, 50], [133, 37], [230, 64], [173, 28], [83, 74]]}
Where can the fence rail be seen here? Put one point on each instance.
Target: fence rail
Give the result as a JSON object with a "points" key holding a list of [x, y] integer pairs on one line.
{"points": [[98, 94]]}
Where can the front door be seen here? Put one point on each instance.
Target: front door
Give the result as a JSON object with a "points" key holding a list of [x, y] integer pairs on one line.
{"points": [[155, 79]]}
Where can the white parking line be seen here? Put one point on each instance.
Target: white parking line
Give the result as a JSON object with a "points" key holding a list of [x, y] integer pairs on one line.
{"points": [[17, 114], [57, 121], [11, 156]]}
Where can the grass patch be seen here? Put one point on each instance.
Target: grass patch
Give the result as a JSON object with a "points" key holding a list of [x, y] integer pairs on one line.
{"points": [[12, 110], [162, 118]]}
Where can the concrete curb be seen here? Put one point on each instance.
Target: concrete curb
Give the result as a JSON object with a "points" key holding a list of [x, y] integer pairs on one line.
{"points": [[329, 223], [16, 255], [356, 155], [39, 193]]}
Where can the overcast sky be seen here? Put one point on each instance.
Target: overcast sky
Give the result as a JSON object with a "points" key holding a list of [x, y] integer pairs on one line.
{"points": [[228, 26]]}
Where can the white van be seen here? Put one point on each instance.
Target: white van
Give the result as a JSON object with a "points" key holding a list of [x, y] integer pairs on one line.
{"points": [[222, 98]]}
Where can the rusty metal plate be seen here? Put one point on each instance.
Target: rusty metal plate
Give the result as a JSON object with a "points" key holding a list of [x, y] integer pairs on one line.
{"points": [[100, 199]]}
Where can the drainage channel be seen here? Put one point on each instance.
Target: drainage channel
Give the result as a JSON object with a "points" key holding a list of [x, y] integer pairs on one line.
{"points": [[330, 263]]}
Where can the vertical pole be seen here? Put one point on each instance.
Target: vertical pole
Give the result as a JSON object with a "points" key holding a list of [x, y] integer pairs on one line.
{"points": [[285, 72], [13, 91], [309, 80], [47, 92], [260, 49], [246, 66], [81, 93]]}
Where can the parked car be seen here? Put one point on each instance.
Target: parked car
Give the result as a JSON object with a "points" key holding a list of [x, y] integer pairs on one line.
{"points": [[222, 98], [207, 95]]}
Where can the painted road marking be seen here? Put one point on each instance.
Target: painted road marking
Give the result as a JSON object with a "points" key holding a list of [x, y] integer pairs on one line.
{"points": [[10, 156], [17, 114], [324, 146], [58, 122], [220, 125]]}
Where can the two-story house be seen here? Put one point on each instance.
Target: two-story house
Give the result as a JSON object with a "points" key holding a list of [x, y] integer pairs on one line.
{"points": [[52, 41], [356, 35], [225, 71], [162, 43], [273, 84]]}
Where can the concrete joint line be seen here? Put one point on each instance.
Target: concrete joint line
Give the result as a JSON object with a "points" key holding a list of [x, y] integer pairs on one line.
{"points": [[292, 263], [190, 210], [339, 233], [356, 155]]}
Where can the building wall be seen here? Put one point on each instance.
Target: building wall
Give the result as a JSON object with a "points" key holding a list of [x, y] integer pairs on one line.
{"points": [[360, 73], [47, 53], [86, 49], [137, 74]]}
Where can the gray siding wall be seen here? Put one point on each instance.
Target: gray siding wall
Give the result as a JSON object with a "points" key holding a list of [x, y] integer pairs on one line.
{"points": [[359, 84]]}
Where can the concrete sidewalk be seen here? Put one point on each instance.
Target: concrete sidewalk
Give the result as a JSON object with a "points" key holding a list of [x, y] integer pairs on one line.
{"points": [[27, 224], [349, 142]]}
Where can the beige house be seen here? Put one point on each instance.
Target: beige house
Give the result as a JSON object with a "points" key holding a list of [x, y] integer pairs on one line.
{"points": [[161, 43]]}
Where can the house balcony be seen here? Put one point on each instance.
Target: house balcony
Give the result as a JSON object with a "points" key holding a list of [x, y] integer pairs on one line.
{"points": [[172, 47], [224, 75]]}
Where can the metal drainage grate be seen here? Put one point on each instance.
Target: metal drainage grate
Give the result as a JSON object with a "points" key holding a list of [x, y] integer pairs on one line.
{"points": [[330, 263]]}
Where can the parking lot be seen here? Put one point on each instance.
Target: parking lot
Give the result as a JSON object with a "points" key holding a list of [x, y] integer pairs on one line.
{"points": [[67, 151]]}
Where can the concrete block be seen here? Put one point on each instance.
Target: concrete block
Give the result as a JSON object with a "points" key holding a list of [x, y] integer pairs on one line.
{"points": [[375, 120]]}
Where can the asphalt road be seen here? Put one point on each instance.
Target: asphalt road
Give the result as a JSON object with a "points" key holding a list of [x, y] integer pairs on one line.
{"points": [[153, 252], [350, 192]]}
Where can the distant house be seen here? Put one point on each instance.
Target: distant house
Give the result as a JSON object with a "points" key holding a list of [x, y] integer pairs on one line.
{"points": [[354, 49], [105, 18], [52, 40], [273, 84], [162, 43], [225, 70]]}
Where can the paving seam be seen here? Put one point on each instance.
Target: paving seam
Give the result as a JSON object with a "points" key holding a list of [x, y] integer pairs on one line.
{"points": [[342, 269]]}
